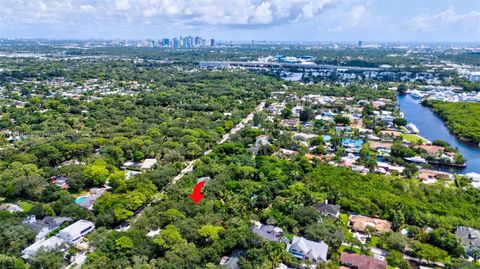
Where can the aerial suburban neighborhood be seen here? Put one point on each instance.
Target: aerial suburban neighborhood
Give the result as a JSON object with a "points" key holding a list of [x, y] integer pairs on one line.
{"points": [[239, 134]]}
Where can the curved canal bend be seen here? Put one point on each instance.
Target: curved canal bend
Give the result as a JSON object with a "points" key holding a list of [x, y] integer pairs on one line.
{"points": [[432, 127]]}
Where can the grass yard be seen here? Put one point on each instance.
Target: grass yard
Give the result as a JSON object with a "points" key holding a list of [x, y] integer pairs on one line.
{"points": [[413, 138], [26, 206]]}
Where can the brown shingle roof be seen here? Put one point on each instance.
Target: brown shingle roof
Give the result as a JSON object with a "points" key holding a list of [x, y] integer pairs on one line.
{"points": [[361, 261]]}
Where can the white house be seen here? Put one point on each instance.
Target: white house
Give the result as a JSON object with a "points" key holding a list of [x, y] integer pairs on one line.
{"points": [[303, 248], [148, 163], [51, 243], [73, 233]]}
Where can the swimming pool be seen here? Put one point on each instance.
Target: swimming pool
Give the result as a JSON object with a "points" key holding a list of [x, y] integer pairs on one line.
{"points": [[80, 199]]}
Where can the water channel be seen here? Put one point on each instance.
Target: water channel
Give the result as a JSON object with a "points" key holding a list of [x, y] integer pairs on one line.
{"points": [[432, 127]]}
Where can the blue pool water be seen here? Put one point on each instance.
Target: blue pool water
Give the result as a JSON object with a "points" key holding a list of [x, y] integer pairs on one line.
{"points": [[80, 199]]}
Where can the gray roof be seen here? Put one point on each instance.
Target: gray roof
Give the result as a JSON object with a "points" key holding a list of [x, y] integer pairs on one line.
{"points": [[268, 232], [318, 250], [51, 223], [232, 261], [328, 209], [49, 244], [470, 237]]}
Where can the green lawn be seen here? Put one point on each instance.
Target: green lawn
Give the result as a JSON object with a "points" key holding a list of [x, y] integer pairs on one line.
{"points": [[412, 138], [344, 218], [404, 129], [26, 206], [373, 241], [343, 248]]}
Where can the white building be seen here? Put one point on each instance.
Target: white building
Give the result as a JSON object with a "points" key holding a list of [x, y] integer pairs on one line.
{"points": [[474, 77], [51, 243], [73, 233], [148, 163], [303, 248]]}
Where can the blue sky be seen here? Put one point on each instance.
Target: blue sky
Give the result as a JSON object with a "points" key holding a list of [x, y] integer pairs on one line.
{"points": [[287, 20]]}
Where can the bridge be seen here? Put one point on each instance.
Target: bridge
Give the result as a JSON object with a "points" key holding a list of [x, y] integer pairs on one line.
{"points": [[228, 64]]}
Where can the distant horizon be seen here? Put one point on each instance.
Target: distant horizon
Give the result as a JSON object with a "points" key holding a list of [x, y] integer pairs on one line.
{"points": [[441, 21], [255, 42]]}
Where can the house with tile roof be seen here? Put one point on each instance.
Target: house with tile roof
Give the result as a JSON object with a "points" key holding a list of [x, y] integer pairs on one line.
{"points": [[356, 261]]}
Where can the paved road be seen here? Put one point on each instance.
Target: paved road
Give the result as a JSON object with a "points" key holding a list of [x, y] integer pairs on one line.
{"points": [[225, 137], [189, 168]]}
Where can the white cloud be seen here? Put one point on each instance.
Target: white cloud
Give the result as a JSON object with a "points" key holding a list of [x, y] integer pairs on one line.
{"points": [[184, 12], [87, 8], [122, 5], [356, 14], [469, 21]]}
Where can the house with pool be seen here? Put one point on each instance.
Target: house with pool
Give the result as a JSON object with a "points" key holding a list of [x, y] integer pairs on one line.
{"points": [[303, 248], [87, 200]]}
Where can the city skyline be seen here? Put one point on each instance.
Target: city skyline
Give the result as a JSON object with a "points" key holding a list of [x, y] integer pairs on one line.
{"points": [[244, 20]]}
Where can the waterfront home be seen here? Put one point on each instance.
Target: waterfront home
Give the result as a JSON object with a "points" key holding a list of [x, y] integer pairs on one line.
{"points": [[357, 261], [389, 135], [431, 149], [359, 223], [303, 248], [431, 176]]}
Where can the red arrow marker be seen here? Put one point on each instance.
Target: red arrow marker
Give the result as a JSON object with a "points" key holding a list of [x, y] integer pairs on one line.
{"points": [[196, 196]]}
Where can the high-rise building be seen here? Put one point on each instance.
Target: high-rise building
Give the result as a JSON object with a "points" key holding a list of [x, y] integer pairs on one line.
{"points": [[182, 42], [176, 43], [198, 41], [165, 42], [360, 43], [188, 41]]}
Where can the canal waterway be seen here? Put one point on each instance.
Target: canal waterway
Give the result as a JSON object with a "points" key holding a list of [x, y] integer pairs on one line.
{"points": [[431, 127]]}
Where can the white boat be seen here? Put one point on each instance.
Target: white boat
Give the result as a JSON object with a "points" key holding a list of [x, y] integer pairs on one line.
{"points": [[413, 128], [416, 94], [416, 159]]}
